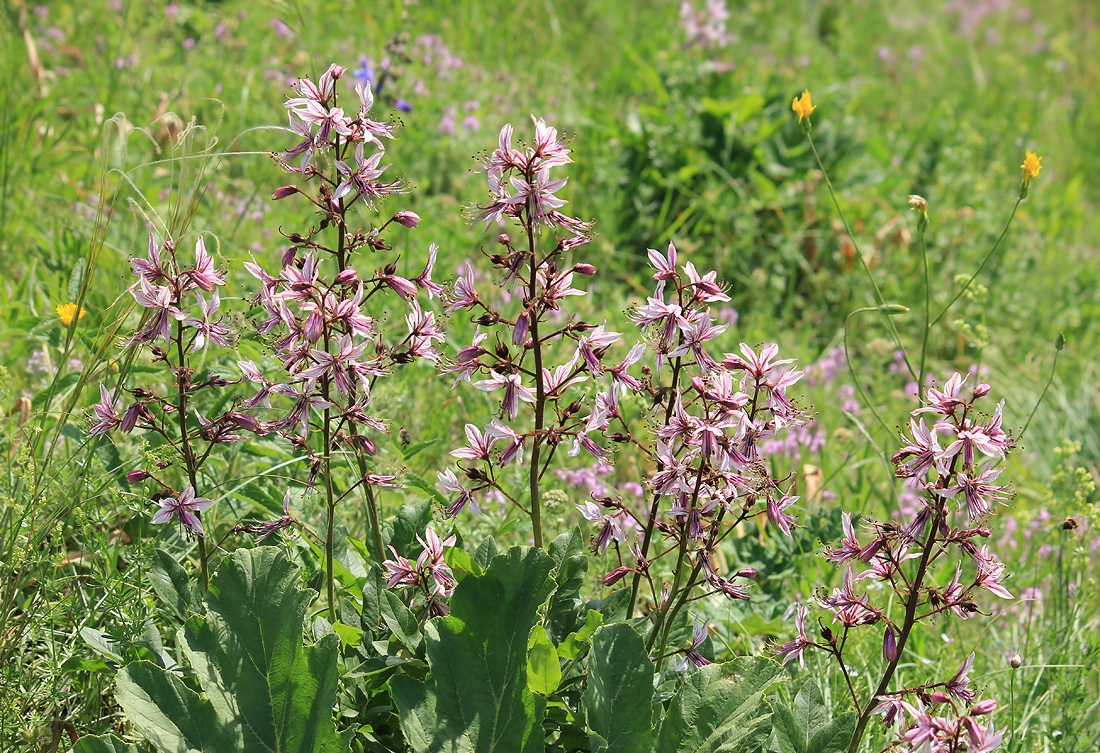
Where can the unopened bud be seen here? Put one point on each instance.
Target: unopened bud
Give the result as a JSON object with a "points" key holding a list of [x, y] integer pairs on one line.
{"points": [[503, 239], [938, 696], [981, 708], [283, 191], [889, 645], [584, 269], [348, 277], [245, 421], [134, 477], [615, 576], [1016, 661], [981, 389], [407, 219], [892, 309], [745, 572]]}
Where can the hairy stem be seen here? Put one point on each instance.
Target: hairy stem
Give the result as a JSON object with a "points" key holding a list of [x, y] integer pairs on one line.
{"points": [[911, 603], [540, 387], [183, 384]]}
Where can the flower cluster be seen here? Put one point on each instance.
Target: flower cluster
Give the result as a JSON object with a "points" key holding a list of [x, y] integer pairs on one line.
{"points": [[180, 303], [429, 577], [950, 469], [316, 306], [719, 409]]}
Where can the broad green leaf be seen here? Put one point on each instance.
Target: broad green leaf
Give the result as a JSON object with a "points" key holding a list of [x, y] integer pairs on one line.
{"points": [[107, 744], [543, 665], [461, 563], [719, 708], [172, 716], [400, 620], [373, 588], [619, 700], [565, 612], [262, 690], [170, 583], [805, 726], [476, 699], [574, 642], [485, 552], [410, 522]]}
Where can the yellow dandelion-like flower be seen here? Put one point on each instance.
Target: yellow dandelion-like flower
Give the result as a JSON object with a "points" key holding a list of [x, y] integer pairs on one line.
{"points": [[67, 311], [802, 107], [1031, 166]]}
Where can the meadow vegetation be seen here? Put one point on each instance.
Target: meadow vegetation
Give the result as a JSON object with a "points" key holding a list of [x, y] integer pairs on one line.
{"points": [[345, 431]]}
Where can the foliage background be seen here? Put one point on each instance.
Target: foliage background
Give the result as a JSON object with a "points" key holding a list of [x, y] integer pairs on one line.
{"points": [[116, 114]]}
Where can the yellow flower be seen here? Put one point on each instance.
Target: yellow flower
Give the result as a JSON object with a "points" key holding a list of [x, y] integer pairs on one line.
{"points": [[66, 312], [802, 106], [1031, 166]]}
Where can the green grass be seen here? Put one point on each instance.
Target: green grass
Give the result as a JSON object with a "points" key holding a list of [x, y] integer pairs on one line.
{"points": [[671, 143]]}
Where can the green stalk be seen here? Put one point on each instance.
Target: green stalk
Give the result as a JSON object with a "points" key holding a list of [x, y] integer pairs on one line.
{"points": [[859, 253]]}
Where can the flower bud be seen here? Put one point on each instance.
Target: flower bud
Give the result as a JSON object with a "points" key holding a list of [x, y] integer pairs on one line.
{"points": [[981, 389], [503, 239], [615, 576], [347, 277], [519, 334], [889, 645], [981, 708], [938, 696], [134, 477], [406, 219], [1016, 661], [283, 191], [584, 269], [745, 572], [245, 421]]}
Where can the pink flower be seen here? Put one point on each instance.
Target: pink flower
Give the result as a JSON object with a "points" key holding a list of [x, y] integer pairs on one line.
{"points": [[514, 391], [183, 508]]}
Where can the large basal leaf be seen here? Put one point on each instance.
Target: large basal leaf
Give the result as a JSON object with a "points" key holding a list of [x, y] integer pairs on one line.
{"points": [[719, 708], [262, 690], [618, 703], [805, 726], [108, 744], [476, 699]]}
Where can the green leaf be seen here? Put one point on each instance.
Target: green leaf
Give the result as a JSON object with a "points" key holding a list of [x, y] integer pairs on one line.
{"points": [[373, 588], [173, 717], [543, 665], [565, 613], [571, 646], [108, 744], [170, 583], [477, 699], [72, 289], [619, 700], [720, 708], [262, 690], [400, 620], [805, 726], [485, 552], [410, 522]]}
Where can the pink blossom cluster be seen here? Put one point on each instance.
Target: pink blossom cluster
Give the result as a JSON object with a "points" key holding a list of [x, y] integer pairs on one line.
{"points": [[950, 469]]}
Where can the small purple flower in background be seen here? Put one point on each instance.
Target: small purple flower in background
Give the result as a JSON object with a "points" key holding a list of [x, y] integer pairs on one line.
{"points": [[183, 508], [707, 27], [364, 74], [282, 31]]}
